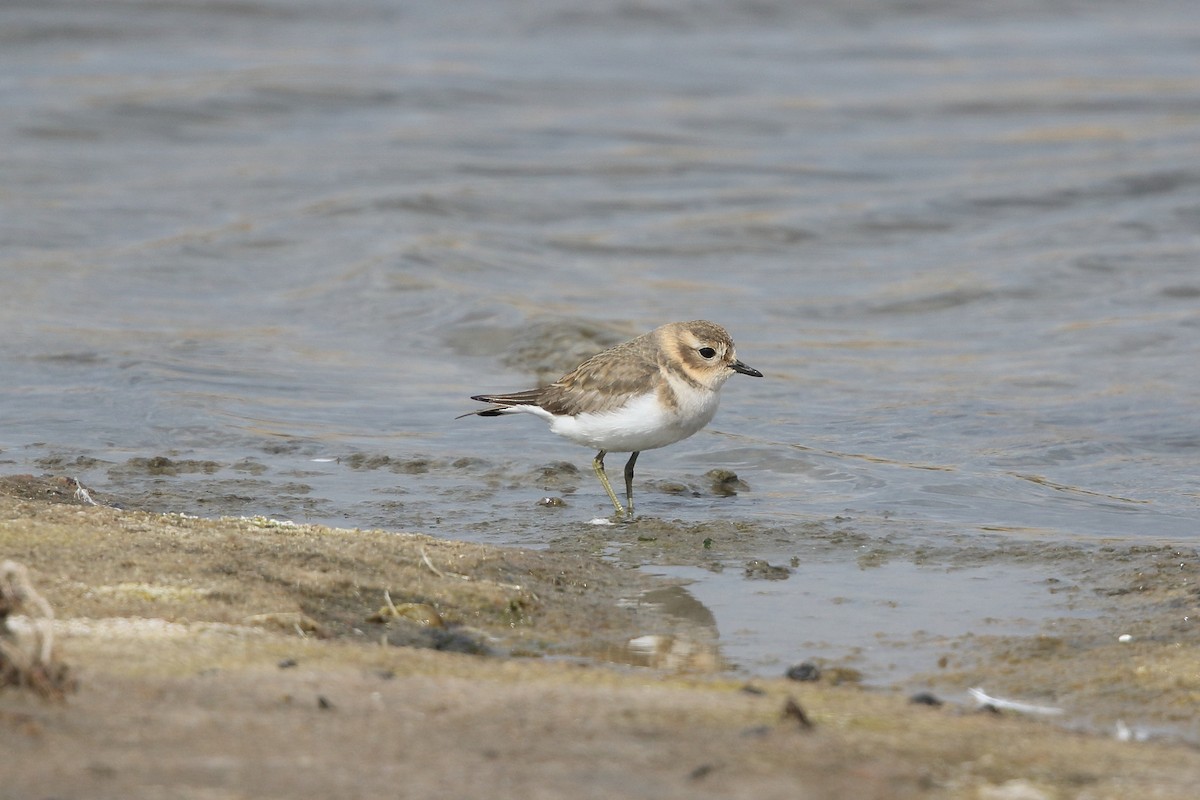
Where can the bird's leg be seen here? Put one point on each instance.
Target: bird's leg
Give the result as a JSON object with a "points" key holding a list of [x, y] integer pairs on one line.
{"points": [[629, 482], [598, 465]]}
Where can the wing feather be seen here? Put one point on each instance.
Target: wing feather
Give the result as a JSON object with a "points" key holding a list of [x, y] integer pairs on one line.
{"points": [[605, 382]]}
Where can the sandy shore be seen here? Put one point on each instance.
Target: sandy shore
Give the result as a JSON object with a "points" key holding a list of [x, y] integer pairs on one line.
{"points": [[244, 658]]}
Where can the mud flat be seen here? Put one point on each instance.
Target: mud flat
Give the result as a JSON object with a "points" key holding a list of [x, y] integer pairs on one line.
{"points": [[249, 658]]}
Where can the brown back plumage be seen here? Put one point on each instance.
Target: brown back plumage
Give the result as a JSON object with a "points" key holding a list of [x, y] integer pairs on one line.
{"points": [[605, 381]]}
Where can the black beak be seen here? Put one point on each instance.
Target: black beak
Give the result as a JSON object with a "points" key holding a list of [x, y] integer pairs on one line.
{"points": [[738, 366]]}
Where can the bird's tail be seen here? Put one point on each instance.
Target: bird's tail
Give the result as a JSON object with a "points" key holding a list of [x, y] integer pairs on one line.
{"points": [[503, 403]]}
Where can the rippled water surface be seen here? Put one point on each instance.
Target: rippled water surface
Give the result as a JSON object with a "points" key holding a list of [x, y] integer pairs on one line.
{"points": [[257, 255]]}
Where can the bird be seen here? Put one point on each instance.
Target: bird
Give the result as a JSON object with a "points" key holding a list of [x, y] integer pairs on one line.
{"points": [[649, 392]]}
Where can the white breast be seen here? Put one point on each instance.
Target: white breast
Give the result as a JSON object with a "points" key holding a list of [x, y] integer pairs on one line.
{"points": [[641, 424]]}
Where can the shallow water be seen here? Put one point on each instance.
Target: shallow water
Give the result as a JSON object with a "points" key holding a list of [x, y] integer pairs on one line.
{"points": [[869, 618], [279, 244]]}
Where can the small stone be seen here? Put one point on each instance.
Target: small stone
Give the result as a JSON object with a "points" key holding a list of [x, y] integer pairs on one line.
{"points": [[760, 570], [806, 671], [725, 482], [792, 710]]}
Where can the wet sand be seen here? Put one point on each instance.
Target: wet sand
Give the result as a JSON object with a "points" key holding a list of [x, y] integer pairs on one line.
{"points": [[244, 658]]}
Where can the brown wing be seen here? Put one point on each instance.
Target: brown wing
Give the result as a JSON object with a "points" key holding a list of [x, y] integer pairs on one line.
{"points": [[605, 381]]}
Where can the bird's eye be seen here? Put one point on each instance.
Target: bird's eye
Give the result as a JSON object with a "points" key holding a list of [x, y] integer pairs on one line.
{"points": [[707, 352]]}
